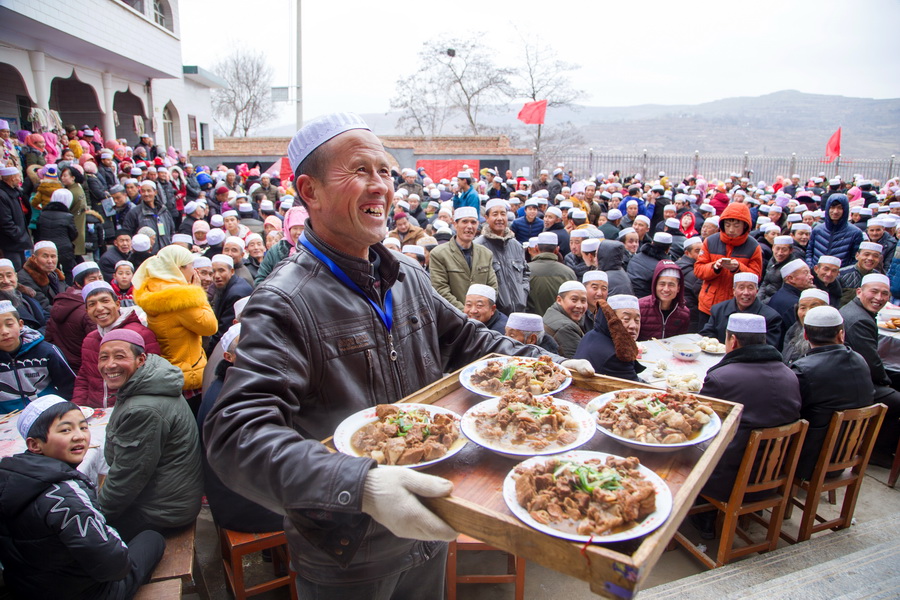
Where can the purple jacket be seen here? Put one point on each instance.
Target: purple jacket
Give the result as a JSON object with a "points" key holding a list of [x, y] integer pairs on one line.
{"points": [[653, 323]]}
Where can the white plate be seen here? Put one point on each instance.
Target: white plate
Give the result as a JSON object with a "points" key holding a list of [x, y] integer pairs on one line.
{"points": [[465, 376], [714, 353], [358, 420], [708, 431], [585, 430], [650, 522], [87, 411]]}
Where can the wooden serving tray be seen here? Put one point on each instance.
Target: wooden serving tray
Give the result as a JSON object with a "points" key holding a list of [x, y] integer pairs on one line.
{"points": [[613, 570]]}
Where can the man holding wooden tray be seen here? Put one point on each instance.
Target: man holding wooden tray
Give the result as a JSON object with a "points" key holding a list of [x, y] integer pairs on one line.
{"points": [[341, 325]]}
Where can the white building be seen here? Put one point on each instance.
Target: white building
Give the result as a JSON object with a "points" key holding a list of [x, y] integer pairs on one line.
{"points": [[112, 63]]}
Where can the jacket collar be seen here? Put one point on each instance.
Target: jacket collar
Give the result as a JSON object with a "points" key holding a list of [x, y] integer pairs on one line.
{"points": [[363, 273], [756, 353]]}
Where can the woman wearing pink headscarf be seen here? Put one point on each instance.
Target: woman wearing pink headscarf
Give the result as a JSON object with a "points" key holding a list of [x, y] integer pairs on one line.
{"points": [[34, 150], [51, 146], [294, 224], [854, 195]]}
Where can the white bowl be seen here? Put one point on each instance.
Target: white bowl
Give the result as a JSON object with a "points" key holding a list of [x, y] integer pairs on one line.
{"points": [[686, 352]]}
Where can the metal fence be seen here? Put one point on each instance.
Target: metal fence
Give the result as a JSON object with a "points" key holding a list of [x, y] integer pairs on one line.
{"points": [[716, 166]]}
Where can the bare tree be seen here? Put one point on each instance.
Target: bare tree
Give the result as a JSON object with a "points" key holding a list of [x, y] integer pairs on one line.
{"points": [[457, 75], [544, 77], [246, 102]]}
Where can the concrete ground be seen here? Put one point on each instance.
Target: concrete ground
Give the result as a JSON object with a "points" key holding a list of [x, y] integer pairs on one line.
{"points": [[876, 501]]}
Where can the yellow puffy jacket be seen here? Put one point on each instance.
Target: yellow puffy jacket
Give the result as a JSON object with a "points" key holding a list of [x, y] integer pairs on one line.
{"points": [[179, 315]]}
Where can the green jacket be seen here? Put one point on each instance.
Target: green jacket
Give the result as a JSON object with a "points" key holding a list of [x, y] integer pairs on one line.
{"points": [[563, 329], [451, 275], [273, 256], [153, 451], [547, 274]]}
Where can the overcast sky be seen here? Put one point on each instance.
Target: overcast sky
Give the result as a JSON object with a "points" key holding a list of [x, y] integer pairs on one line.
{"points": [[634, 52]]}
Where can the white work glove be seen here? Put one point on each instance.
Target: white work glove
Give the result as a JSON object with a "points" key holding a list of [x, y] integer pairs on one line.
{"points": [[580, 366], [389, 496]]}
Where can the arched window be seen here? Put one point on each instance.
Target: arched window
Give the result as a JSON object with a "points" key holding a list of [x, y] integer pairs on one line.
{"points": [[168, 126], [162, 14]]}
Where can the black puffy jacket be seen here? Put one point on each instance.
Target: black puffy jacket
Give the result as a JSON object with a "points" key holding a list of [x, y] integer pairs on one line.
{"points": [[642, 266], [54, 542], [56, 224], [611, 260]]}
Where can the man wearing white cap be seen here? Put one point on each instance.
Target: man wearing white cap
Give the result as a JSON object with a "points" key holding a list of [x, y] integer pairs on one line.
{"points": [[456, 265], [643, 264], [152, 213], [14, 238], [547, 274], [876, 232], [229, 288], [692, 283], [40, 273], [410, 183], [119, 250], [564, 320], [338, 327], [29, 366], [22, 298], [745, 300], [509, 263], [796, 276], [553, 221], [782, 254], [861, 334], [529, 329], [610, 346], [868, 260], [596, 284], [69, 324], [825, 277], [748, 362], [234, 247], [481, 305], [466, 195], [529, 224]]}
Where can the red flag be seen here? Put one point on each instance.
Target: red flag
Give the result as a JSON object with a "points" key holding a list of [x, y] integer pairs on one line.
{"points": [[533, 112], [833, 147]]}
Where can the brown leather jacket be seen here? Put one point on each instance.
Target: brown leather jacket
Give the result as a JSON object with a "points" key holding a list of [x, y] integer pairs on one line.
{"points": [[311, 353]]}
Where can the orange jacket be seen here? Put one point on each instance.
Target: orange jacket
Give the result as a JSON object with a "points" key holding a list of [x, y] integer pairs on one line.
{"points": [[719, 286]]}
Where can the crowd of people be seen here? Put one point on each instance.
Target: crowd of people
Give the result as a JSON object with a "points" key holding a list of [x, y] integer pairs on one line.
{"points": [[127, 274]]}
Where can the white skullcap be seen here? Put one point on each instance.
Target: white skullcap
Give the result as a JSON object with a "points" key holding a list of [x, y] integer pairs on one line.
{"points": [[251, 237], [44, 244], [464, 175], [792, 266], [202, 262], [477, 289], [751, 277], [6, 307], [770, 227], [578, 214], [571, 286], [88, 265], [878, 221], [626, 231], [643, 218], [35, 409], [595, 276], [266, 205], [465, 212], [217, 220], [94, 285], [671, 207], [823, 316], [224, 259], [871, 246], [854, 210], [692, 241], [286, 204], [554, 210], [784, 240], [403, 204], [140, 242], [229, 336], [829, 260], [233, 239], [413, 249], [894, 205], [230, 213], [318, 131], [746, 323], [579, 233], [182, 238], [494, 203], [762, 221], [794, 218], [801, 227], [866, 212], [441, 224], [834, 181], [548, 237], [620, 301], [707, 208], [391, 241], [63, 196], [525, 322], [190, 207], [214, 237], [5, 262], [712, 221], [590, 245], [435, 193], [244, 208], [875, 278], [631, 203], [567, 204], [239, 307], [531, 202], [815, 293], [7, 171], [614, 215], [661, 237]]}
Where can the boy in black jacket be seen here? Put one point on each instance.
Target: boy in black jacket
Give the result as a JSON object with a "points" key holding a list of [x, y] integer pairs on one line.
{"points": [[54, 542]]}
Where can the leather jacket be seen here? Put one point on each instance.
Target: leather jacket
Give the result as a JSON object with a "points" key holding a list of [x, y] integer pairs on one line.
{"points": [[312, 353]]}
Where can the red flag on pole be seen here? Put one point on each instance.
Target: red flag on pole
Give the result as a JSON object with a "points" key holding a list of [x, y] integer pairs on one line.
{"points": [[833, 147], [533, 112]]}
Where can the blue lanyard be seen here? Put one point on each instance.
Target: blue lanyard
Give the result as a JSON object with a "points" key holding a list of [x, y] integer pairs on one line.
{"points": [[386, 315]]}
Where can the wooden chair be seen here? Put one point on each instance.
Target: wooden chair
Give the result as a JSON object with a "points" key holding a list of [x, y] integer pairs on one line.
{"points": [[766, 469], [515, 570], [178, 559], [847, 445], [236, 545], [169, 589], [895, 468]]}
